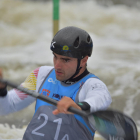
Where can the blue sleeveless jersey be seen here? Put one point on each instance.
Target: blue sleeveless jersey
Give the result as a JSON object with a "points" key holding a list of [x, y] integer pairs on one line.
{"points": [[45, 125]]}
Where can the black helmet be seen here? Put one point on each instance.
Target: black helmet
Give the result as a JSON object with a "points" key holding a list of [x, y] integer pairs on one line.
{"points": [[72, 42]]}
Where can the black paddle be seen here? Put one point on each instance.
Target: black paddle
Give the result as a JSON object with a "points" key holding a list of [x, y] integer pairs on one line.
{"points": [[111, 124]]}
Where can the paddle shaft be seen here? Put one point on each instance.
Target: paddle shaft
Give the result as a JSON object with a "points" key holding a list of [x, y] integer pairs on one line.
{"points": [[108, 123], [41, 97]]}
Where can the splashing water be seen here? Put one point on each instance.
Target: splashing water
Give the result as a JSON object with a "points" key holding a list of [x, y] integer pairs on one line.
{"points": [[26, 34]]}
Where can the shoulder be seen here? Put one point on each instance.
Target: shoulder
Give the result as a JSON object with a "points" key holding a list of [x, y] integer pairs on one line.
{"points": [[92, 87], [44, 70], [94, 83]]}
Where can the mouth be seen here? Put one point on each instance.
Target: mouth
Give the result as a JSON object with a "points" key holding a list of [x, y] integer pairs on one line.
{"points": [[58, 72]]}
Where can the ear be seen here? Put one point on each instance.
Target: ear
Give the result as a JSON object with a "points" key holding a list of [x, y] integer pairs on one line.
{"points": [[84, 61]]}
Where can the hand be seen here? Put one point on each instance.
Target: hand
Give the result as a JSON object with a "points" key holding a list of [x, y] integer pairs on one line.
{"points": [[1, 85], [64, 104]]}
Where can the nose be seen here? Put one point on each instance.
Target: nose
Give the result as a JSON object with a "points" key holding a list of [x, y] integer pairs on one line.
{"points": [[57, 63]]}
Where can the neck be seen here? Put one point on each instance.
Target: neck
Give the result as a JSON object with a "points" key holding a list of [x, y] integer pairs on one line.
{"points": [[80, 72], [77, 77]]}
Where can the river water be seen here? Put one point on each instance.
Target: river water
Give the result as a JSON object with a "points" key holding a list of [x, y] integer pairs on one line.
{"points": [[25, 36]]}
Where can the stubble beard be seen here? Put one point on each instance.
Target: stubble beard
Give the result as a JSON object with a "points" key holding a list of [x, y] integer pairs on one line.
{"points": [[61, 78]]}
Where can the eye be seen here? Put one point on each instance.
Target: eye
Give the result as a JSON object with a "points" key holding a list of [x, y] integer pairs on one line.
{"points": [[66, 60]]}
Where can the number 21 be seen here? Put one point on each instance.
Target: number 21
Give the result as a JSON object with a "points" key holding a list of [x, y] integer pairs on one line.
{"points": [[59, 121]]}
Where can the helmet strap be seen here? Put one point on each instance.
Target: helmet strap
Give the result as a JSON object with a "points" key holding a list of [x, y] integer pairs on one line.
{"points": [[77, 71]]}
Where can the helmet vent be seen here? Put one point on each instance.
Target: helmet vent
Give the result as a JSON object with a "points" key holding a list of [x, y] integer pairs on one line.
{"points": [[88, 39], [76, 43]]}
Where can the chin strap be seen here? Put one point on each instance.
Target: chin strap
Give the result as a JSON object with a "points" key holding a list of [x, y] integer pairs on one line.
{"points": [[77, 71]]}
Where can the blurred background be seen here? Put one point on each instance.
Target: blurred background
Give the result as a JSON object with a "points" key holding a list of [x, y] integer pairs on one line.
{"points": [[26, 31]]}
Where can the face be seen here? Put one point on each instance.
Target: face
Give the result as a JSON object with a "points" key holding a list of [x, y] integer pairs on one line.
{"points": [[64, 66]]}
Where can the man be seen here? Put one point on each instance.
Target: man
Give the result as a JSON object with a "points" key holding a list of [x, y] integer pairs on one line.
{"points": [[69, 82]]}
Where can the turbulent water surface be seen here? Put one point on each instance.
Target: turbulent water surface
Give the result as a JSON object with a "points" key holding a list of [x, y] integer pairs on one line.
{"points": [[25, 36]]}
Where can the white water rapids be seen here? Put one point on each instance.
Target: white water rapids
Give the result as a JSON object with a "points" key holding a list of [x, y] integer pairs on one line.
{"points": [[26, 34]]}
